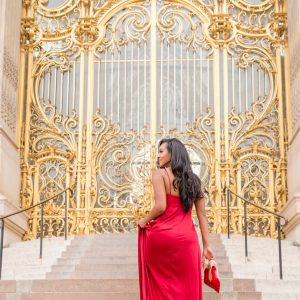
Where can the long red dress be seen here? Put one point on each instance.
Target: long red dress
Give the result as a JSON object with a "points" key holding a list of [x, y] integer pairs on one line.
{"points": [[169, 256]]}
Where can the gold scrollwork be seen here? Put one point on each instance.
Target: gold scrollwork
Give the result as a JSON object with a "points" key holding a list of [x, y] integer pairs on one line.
{"points": [[88, 117], [131, 25]]}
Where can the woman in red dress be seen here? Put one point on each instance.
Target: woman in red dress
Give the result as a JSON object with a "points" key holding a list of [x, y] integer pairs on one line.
{"points": [[169, 252]]}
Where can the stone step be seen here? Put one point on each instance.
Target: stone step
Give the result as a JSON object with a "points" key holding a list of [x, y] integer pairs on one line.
{"points": [[105, 267], [261, 275], [87, 288], [101, 285], [34, 251], [281, 296], [93, 253], [98, 260], [121, 242], [241, 237], [97, 267], [47, 242], [85, 285], [8, 286], [252, 268], [114, 259], [261, 259], [260, 252], [134, 296], [26, 276], [265, 285], [277, 285], [113, 267], [30, 262], [259, 246], [22, 271], [81, 296], [106, 274], [100, 242], [255, 240]]}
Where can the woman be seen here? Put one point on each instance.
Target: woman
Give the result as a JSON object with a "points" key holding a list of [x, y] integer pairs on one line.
{"points": [[169, 252]]}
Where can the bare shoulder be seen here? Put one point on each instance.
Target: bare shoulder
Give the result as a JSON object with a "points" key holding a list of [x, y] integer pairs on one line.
{"points": [[158, 179], [157, 175]]}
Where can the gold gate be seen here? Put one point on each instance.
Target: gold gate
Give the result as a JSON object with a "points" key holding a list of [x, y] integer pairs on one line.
{"points": [[103, 81]]}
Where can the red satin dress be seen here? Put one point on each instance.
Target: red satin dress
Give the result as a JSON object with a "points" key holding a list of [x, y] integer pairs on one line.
{"points": [[169, 256]]}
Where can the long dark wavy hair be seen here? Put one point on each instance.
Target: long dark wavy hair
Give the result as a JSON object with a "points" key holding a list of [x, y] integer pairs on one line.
{"points": [[188, 183]]}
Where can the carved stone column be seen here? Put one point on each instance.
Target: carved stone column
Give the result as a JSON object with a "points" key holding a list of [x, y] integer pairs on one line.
{"points": [[292, 209], [10, 18]]}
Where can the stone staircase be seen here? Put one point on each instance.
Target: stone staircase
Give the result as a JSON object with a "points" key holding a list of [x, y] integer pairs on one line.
{"points": [[104, 267], [21, 260], [260, 271]]}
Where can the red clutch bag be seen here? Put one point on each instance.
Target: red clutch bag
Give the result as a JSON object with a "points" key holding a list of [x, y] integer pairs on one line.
{"points": [[211, 275]]}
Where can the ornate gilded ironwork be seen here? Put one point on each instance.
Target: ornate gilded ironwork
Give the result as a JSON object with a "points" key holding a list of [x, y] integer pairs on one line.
{"points": [[220, 28], [108, 79]]}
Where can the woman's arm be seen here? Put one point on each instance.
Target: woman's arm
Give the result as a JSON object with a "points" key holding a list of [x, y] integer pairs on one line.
{"points": [[160, 199], [200, 210]]}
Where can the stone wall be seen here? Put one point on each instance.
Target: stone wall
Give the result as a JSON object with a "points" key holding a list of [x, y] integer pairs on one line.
{"points": [[292, 208], [10, 19]]}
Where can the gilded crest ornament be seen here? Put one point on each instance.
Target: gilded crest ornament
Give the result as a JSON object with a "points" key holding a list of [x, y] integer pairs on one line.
{"points": [[30, 32], [221, 29], [85, 31]]}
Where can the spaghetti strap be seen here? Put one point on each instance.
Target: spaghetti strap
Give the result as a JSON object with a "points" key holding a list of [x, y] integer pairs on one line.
{"points": [[169, 181]]}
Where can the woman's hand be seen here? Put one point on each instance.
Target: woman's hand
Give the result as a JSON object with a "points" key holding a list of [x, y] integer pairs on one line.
{"points": [[142, 223], [208, 253]]}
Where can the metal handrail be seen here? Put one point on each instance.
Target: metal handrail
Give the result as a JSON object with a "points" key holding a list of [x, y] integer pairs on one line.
{"points": [[2, 223], [278, 216]]}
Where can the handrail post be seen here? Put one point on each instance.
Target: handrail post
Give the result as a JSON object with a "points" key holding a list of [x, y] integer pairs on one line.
{"points": [[228, 213], [279, 246], [42, 229], [246, 225], [66, 214], [41, 204], [1, 246]]}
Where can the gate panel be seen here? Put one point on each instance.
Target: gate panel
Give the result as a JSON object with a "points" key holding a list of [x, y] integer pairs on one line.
{"points": [[106, 80]]}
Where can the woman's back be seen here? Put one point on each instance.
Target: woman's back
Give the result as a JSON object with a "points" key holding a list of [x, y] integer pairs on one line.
{"points": [[169, 251], [168, 181], [174, 216], [171, 254]]}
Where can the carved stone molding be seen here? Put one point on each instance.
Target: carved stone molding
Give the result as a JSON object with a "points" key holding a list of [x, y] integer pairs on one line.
{"points": [[295, 98], [294, 45], [9, 93], [10, 70], [8, 111]]}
